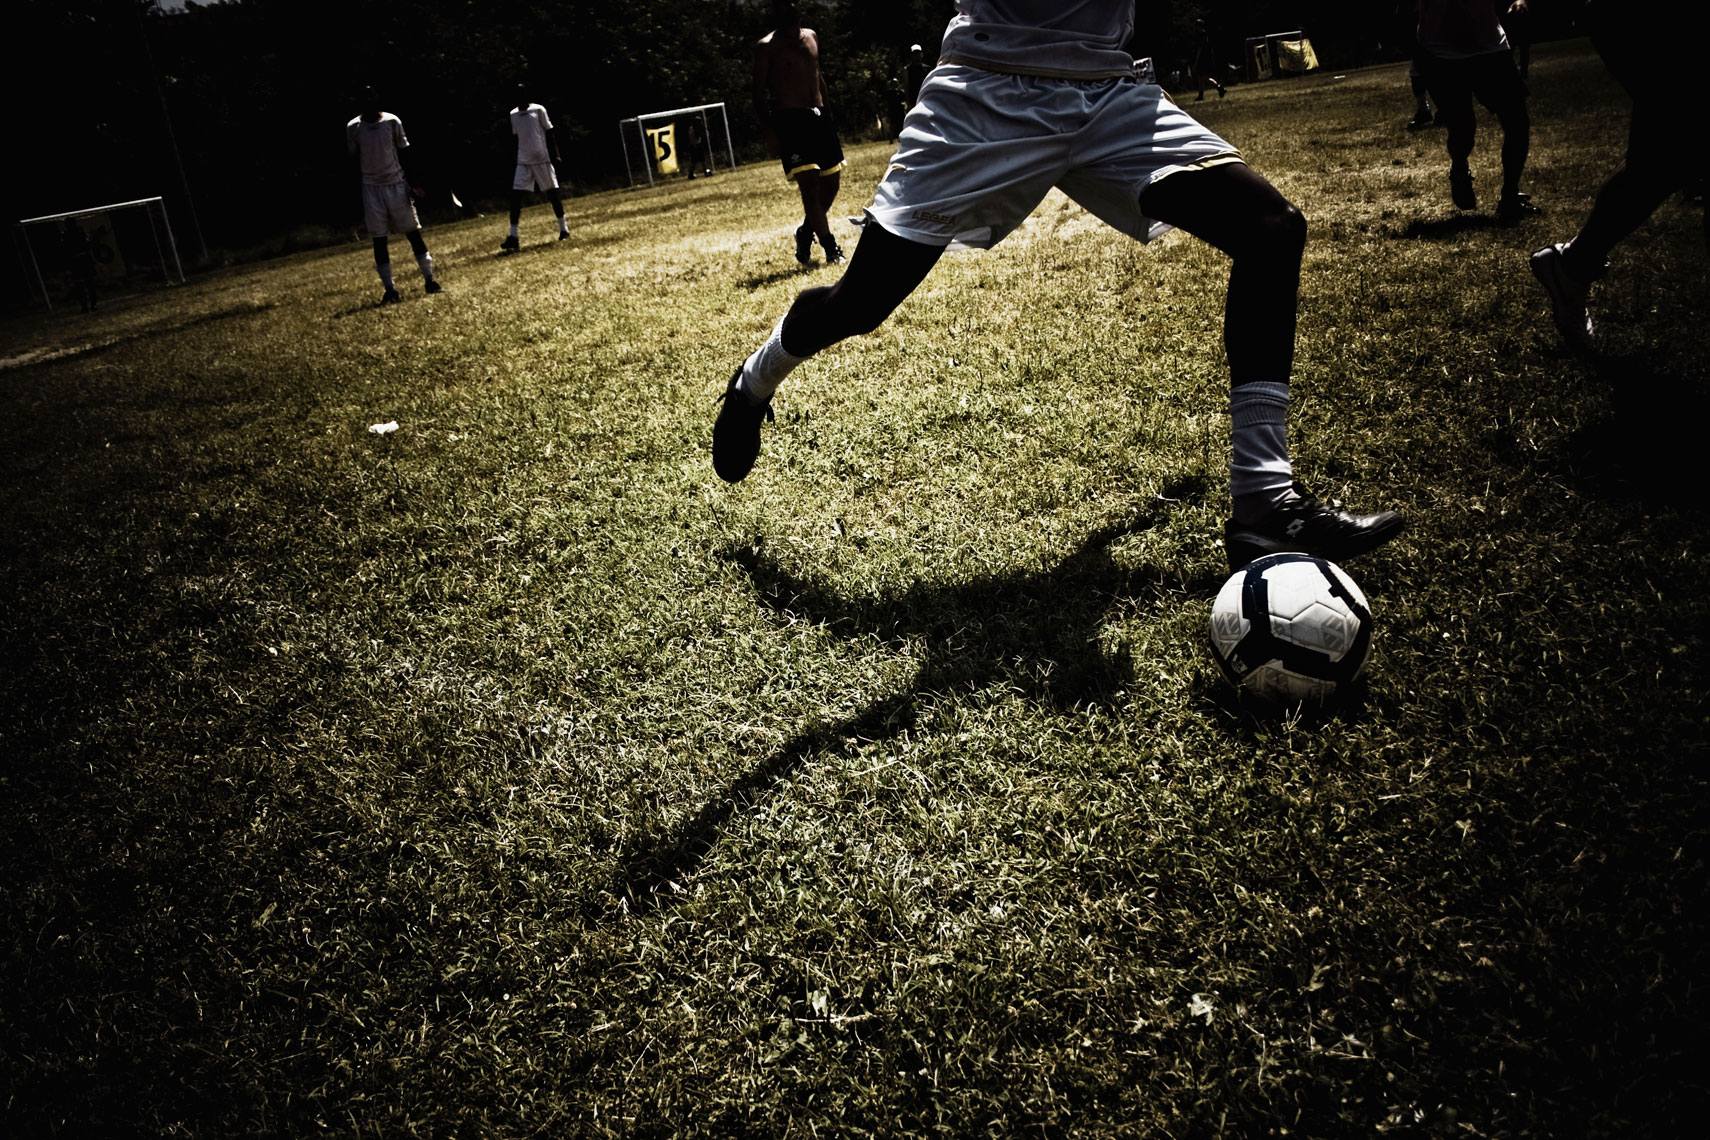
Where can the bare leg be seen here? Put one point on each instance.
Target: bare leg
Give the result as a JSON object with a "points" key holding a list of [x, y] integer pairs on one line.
{"points": [[883, 271], [813, 212], [827, 185]]}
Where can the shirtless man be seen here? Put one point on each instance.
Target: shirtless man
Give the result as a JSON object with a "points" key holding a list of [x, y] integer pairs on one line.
{"points": [[799, 130]]}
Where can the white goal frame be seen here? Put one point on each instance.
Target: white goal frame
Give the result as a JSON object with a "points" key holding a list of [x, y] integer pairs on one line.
{"points": [[639, 123], [148, 205]]}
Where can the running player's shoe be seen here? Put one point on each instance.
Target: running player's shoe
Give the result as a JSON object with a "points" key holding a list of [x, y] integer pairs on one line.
{"points": [[1515, 207], [433, 287], [390, 297], [563, 235], [510, 244], [834, 254], [1568, 296], [804, 243], [736, 432], [1460, 188], [1305, 525]]}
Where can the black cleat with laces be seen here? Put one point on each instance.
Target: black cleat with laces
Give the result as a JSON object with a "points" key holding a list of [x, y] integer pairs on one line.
{"points": [[736, 432], [1303, 524], [804, 243]]}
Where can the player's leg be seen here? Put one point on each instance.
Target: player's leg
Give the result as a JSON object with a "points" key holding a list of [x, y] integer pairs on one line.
{"points": [[813, 210], [1449, 88], [883, 270], [1655, 166], [424, 259], [513, 239], [383, 266], [1499, 87], [1422, 114], [1235, 209], [557, 197], [827, 186]]}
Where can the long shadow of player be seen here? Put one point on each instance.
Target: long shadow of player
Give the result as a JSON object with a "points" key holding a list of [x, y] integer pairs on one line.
{"points": [[1037, 633]]}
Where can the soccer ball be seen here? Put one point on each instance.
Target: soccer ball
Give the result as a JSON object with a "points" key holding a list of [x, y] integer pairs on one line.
{"points": [[1291, 629]]}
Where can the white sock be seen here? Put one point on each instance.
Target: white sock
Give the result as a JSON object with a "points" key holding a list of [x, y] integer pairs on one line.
{"points": [[563, 224], [426, 263], [766, 369], [1259, 469], [513, 232], [385, 272]]}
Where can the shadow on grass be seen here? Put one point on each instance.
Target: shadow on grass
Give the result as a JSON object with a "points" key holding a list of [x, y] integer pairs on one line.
{"points": [[1037, 633], [1446, 229], [160, 328], [761, 280], [1648, 446]]}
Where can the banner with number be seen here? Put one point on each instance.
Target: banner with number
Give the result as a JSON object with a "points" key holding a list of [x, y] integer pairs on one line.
{"points": [[664, 141]]}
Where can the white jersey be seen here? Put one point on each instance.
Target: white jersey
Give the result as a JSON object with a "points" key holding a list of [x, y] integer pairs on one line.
{"points": [[530, 125], [1063, 39], [377, 144]]}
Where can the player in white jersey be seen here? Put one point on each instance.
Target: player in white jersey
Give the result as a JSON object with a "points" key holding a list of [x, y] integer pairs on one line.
{"points": [[537, 150], [1031, 94], [375, 137]]}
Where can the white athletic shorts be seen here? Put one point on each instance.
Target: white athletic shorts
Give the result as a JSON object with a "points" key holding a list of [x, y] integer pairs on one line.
{"points": [[388, 209], [981, 149], [535, 176]]}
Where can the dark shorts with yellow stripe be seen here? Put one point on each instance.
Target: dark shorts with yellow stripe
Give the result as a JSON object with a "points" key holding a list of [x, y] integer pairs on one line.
{"points": [[807, 141]]}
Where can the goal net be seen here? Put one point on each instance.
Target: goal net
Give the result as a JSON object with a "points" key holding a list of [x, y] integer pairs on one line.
{"points": [[103, 249], [687, 140]]}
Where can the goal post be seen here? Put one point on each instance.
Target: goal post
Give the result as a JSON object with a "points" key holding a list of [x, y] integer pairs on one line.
{"points": [[114, 245], [638, 149]]}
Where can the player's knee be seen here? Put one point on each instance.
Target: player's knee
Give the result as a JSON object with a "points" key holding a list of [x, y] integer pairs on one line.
{"points": [[1281, 230]]}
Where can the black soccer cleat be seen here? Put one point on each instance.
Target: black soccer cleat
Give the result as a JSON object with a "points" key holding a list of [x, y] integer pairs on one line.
{"points": [[834, 254], [1515, 207], [1461, 190], [804, 243], [510, 244], [390, 297], [1307, 526], [433, 286], [736, 432]]}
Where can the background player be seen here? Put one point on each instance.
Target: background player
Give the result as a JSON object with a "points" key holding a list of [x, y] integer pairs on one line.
{"points": [[801, 133], [1662, 153], [1031, 96], [537, 150], [375, 137], [1464, 54]]}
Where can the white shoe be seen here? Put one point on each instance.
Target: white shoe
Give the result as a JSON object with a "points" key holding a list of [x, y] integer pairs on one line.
{"points": [[1567, 296]]}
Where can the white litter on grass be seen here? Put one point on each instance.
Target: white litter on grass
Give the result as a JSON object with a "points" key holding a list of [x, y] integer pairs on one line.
{"points": [[382, 429], [1200, 1006]]}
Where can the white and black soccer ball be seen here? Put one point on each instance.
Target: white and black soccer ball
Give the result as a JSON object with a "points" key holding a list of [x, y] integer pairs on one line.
{"points": [[1291, 629]]}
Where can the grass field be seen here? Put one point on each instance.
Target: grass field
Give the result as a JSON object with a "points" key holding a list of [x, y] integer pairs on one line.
{"points": [[509, 775]]}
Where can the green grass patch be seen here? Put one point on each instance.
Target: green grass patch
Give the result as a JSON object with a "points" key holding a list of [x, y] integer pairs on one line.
{"points": [[510, 775]]}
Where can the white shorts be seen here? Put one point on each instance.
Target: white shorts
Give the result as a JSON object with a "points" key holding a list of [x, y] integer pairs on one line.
{"points": [[388, 209], [981, 149], [535, 176]]}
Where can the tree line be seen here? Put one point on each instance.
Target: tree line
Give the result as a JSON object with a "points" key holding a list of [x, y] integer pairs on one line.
{"points": [[233, 111]]}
